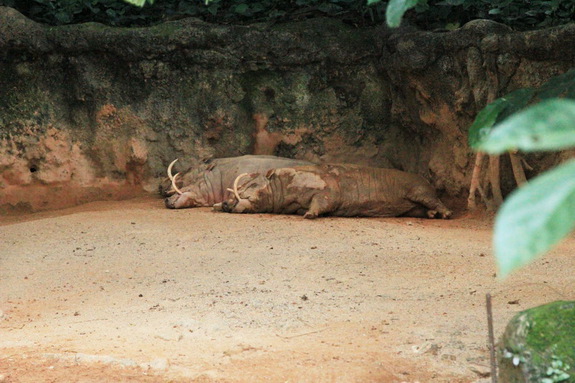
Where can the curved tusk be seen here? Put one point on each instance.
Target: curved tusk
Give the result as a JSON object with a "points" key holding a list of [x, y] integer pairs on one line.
{"points": [[170, 176], [236, 181], [174, 184]]}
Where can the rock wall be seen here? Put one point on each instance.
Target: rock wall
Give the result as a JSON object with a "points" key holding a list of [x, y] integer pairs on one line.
{"points": [[91, 112]]}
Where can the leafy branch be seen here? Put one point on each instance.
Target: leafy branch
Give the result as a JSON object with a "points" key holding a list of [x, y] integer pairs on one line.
{"points": [[537, 216], [141, 3]]}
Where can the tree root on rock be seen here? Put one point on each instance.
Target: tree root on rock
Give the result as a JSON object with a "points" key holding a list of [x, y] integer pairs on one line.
{"points": [[475, 184], [487, 183]]}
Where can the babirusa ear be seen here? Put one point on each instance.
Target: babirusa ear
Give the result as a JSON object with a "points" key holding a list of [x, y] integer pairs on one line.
{"points": [[270, 173]]}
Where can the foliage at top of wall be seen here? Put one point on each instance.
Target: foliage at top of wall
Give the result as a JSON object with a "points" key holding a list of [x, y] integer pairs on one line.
{"points": [[518, 14], [427, 14], [120, 13], [536, 216]]}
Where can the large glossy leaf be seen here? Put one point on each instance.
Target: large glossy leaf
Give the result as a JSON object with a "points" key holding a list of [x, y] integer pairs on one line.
{"points": [[562, 85], [496, 111], [534, 218], [549, 125], [139, 3], [484, 121], [395, 10]]}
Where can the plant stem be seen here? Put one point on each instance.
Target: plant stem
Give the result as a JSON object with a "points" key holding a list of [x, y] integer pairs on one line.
{"points": [[491, 338]]}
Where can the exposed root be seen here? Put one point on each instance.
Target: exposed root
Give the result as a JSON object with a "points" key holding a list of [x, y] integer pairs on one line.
{"points": [[487, 182], [517, 167], [526, 165], [475, 181], [494, 174]]}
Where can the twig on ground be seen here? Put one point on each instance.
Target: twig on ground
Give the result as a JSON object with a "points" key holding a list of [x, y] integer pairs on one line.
{"points": [[491, 338], [298, 335]]}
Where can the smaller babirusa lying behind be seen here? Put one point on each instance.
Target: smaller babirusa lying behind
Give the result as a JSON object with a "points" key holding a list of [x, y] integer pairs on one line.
{"points": [[210, 182]]}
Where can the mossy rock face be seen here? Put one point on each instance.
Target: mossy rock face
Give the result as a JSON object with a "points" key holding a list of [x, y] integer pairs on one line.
{"points": [[538, 345], [89, 106]]}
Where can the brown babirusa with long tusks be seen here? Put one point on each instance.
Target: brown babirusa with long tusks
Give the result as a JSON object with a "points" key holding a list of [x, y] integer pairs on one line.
{"points": [[343, 190], [173, 177]]}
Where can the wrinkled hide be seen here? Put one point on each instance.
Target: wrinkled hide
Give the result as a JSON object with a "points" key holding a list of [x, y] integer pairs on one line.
{"points": [[207, 183], [338, 190]]}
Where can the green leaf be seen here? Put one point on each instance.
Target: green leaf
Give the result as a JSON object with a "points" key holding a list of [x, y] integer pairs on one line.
{"points": [[549, 125], [534, 218], [329, 8], [242, 9], [494, 112], [481, 127], [257, 7], [138, 3], [395, 10], [452, 26], [63, 17], [369, 2], [213, 9], [451, 3]]}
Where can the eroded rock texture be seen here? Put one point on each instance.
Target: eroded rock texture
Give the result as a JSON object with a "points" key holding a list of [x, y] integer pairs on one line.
{"points": [[90, 112]]}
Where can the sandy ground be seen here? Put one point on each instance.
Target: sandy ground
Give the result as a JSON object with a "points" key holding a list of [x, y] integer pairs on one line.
{"points": [[132, 292]]}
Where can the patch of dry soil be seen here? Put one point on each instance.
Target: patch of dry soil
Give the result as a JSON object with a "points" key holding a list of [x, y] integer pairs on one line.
{"points": [[133, 292]]}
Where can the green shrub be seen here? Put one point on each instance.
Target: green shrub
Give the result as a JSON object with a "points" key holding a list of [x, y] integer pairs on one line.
{"points": [[427, 14], [536, 216], [519, 14], [121, 13]]}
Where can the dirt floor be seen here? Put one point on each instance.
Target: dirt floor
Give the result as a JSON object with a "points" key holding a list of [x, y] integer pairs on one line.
{"points": [[132, 292]]}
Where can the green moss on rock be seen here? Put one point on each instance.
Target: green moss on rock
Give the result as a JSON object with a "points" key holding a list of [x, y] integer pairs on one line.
{"points": [[538, 345]]}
